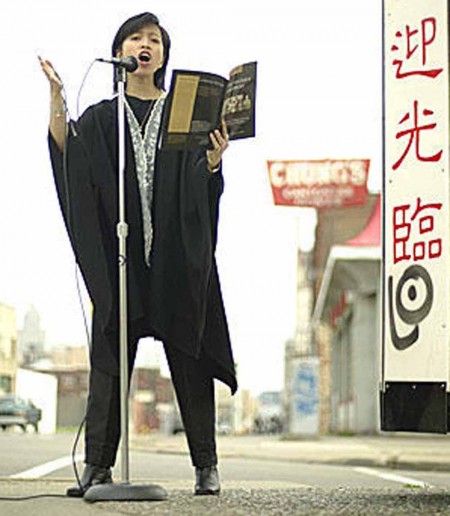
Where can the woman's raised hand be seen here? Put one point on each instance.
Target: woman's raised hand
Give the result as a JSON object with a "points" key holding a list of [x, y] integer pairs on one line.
{"points": [[58, 113], [53, 78]]}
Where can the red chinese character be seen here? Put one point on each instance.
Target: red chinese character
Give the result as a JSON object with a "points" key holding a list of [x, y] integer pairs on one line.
{"points": [[425, 36], [402, 228], [426, 225], [414, 135], [402, 232]]}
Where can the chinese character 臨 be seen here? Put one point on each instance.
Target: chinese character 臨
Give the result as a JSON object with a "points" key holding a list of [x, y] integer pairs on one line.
{"points": [[418, 249]]}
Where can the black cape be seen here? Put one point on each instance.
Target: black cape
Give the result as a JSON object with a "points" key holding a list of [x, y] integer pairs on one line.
{"points": [[178, 299]]}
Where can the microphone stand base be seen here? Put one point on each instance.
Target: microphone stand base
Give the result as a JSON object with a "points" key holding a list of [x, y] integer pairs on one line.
{"points": [[125, 492]]}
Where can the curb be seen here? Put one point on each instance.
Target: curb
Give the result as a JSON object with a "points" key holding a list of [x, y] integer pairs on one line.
{"points": [[392, 462]]}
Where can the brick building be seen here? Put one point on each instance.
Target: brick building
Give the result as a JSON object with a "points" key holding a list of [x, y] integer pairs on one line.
{"points": [[151, 398]]}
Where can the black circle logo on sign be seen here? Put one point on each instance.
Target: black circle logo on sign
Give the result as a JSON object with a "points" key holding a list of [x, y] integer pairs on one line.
{"points": [[410, 315]]}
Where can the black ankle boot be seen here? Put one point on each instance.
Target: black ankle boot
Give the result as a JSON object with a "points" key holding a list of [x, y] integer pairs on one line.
{"points": [[207, 481], [92, 476]]}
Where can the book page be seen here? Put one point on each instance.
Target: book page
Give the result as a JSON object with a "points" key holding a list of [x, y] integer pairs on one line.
{"points": [[185, 93]]}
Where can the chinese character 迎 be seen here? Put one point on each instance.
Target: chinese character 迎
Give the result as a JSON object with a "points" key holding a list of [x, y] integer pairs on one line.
{"points": [[411, 48]]}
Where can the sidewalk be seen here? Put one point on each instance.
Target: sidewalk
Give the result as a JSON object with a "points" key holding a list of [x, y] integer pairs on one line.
{"points": [[405, 451]]}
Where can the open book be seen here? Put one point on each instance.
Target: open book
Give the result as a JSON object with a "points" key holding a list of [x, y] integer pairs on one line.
{"points": [[198, 101]]}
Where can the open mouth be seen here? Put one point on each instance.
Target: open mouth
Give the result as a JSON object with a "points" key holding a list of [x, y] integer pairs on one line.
{"points": [[144, 58]]}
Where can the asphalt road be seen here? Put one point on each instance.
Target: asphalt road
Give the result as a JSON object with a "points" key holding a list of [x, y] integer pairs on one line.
{"points": [[250, 486], [22, 453]]}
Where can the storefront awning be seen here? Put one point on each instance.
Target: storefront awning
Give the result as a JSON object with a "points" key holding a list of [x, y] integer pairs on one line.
{"points": [[354, 266]]}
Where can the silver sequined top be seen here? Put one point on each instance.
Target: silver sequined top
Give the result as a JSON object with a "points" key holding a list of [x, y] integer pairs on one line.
{"points": [[145, 152]]}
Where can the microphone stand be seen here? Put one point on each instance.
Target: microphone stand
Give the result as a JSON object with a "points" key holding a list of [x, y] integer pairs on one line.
{"points": [[123, 491]]}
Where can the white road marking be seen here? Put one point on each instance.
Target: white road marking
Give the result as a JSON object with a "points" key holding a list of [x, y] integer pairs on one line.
{"points": [[392, 476], [48, 467]]}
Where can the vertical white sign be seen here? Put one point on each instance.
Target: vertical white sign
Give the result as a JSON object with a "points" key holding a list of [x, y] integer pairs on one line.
{"points": [[416, 191]]}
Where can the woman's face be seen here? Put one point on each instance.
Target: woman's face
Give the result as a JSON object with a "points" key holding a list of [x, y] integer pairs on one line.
{"points": [[146, 46]]}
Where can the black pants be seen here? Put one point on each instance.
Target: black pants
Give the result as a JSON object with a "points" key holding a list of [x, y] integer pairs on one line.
{"points": [[195, 394]]}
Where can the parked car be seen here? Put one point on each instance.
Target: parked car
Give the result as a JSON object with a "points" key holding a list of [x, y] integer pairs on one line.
{"points": [[224, 429], [18, 411]]}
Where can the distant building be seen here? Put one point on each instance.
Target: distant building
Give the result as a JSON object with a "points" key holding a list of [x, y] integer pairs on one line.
{"points": [[235, 414], [70, 366], [150, 393], [346, 316], [31, 339], [8, 349], [151, 398], [245, 412], [225, 406]]}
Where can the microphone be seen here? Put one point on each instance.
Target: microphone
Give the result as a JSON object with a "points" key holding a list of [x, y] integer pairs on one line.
{"points": [[129, 63]]}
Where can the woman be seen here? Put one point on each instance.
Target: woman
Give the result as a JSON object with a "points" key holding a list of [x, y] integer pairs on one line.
{"points": [[173, 288]]}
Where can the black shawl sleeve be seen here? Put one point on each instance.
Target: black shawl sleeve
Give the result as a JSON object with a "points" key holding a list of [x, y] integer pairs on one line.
{"points": [[79, 205]]}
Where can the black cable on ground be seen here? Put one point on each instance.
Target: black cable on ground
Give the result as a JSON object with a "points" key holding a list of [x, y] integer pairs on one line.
{"points": [[31, 497]]}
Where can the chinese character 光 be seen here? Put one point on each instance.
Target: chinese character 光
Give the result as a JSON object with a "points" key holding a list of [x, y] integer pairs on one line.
{"points": [[414, 135]]}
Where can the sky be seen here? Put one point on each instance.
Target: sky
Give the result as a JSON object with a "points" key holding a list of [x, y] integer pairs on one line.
{"points": [[318, 97]]}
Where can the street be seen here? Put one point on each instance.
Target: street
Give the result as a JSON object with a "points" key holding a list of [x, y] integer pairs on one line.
{"points": [[250, 485], [21, 453]]}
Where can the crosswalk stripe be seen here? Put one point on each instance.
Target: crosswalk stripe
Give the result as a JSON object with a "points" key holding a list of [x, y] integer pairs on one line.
{"points": [[391, 476], [48, 467]]}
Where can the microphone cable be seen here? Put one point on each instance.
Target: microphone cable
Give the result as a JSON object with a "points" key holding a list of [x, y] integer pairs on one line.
{"points": [[76, 134], [71, 127]]}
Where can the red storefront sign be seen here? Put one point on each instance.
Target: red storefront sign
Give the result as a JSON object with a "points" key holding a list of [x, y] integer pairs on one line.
{"points": [[319, 183]]}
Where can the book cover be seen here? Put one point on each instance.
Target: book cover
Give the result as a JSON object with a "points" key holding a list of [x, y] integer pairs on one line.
{"points": [[198, 101]]}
